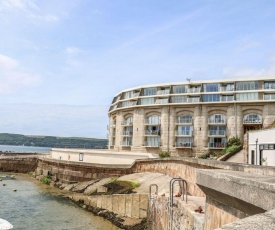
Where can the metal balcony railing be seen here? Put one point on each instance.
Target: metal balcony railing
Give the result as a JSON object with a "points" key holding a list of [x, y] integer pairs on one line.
{"points": [[217, 133], [183, 144], [184, 133], [163, 92], [152, 133], [126, 133], [151, 144], [216, 145]]}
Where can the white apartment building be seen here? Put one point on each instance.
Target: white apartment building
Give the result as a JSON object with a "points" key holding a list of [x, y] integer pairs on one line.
{"points": [[188, 118]]}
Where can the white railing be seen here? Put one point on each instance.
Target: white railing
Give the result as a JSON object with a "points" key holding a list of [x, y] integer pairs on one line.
{"points": [[193, 90], [183, 144], [217, 145], [152, 132], [184, 133], [217, 132], [161, 101], [152, 144], [184, 121]]}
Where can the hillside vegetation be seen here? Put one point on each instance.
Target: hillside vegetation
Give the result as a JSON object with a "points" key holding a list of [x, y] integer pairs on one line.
{"points": [[52, 141]]}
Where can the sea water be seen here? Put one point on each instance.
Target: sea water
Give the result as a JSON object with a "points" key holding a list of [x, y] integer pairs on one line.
{"points": [[35, 206], [24, 149]]}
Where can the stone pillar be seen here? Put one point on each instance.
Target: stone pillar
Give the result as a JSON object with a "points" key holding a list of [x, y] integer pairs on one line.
{"points": [[164, 127], [240, 129], [231, 122], [138, 128], [119, 129], [172, 128], [268, 115]]}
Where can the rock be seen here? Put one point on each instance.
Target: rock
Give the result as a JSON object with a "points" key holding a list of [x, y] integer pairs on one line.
{"points": [[81, 186], [91, 188]]}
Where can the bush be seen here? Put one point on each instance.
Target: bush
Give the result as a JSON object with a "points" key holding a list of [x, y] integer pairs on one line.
{"points": [[233, 141], [46, 180], [232, 148], [164, 154]]}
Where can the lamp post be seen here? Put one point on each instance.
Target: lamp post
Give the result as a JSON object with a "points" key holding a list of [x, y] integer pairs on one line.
{"points": [[256, 150]]}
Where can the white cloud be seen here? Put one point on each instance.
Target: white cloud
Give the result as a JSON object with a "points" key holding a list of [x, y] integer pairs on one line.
{"points": [[13, 77]]}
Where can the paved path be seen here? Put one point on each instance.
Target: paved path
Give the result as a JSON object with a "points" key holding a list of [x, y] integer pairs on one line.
{"points": [[237, 158]]}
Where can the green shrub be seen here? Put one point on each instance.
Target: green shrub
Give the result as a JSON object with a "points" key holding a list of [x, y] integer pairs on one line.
{"points": [[205, 155], [46, 180], [164, 154], [233, 141], [232, 148]]}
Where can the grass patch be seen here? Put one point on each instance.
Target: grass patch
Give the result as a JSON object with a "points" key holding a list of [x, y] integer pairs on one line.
{"points": [[164, 154], [46, 179]]}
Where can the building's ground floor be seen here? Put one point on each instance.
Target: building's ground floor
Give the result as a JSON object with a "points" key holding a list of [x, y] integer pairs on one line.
{"points": [[186, 130]]}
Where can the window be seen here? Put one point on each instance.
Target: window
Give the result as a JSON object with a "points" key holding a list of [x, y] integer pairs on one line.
{"points": [[211, 87], [270, 96], [149, 91], [180, 89], [162, 101], [246, 96], [184, 130], [179, 99], [184, 142], [147, 101], [211, 98], [252, 118], [152, 141], [153, 130], [217, 119], [81, 156], [184, 119], [217, 130], [247, 86], [155, 119], [269, 85]]}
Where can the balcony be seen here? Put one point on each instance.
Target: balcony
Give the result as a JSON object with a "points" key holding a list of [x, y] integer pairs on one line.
{"points": [[126, 133], [111, 143], [187, 133], [183, 144], [216, 121], [193, 90], [162, 101], [216, 145], [127, 123], [126, 143], [152, 133], [152, 144], [163, 92], [217, 133]]}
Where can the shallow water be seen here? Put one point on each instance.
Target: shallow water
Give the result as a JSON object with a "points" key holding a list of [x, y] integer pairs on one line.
{"points": [[24, 149], [35, 206]]}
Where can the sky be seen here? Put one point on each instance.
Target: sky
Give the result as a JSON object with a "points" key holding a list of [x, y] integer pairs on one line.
{"points": [[61, 62]]}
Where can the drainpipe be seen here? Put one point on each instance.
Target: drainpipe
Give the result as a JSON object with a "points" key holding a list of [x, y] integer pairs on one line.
{"points": [[168, 136]]}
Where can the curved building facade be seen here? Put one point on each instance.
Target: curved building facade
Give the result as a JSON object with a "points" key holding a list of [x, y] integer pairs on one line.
{"points": [[188, 118]]}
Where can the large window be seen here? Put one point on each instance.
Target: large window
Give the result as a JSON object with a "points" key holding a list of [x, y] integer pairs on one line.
{"points": [[211, 97], [217, 119], [217, 130], [184, 130], [150, 91], [147, 101], [211, 87], [184, 142], [180, 89], [184, 119], [252, 85], [246, 96], [269, 85], [152, 141]]}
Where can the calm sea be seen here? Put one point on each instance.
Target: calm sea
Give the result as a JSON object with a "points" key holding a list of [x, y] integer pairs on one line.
{"points": [[24, 149], [35, 206]]}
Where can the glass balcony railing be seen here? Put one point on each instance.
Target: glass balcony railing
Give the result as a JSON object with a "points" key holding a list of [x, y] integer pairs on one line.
{"points": [[183, 144], [252, 121], [184, 121], [152, 133], [151, 144], [183, 133], [163, 92], [193, 90], [127, 123], [216, 145], [152, 121], [217, 132]]}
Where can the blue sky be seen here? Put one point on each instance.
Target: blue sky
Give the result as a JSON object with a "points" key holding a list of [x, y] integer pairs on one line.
{"points": [[61, 62]]}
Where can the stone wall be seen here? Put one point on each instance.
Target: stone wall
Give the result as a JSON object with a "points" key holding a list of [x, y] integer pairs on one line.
{"points": [[126, 205], [16, 164]]}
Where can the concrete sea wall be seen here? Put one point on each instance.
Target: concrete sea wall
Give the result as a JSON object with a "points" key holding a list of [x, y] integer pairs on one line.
{"points": [[21, 165]]}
